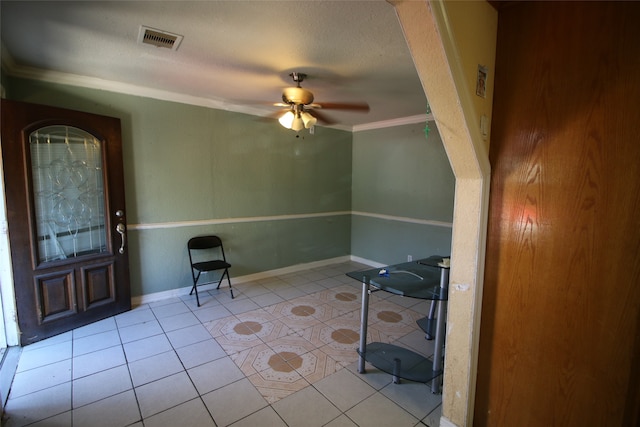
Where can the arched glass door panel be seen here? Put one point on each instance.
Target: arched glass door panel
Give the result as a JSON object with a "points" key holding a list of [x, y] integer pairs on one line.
{"points": [[68, 192]]}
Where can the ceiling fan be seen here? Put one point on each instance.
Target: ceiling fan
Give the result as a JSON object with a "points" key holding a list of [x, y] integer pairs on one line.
{"points": [[300, 110]]}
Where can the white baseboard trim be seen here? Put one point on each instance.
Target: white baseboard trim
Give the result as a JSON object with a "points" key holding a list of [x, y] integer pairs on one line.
{"points": [[172, 293], [367, 262]]}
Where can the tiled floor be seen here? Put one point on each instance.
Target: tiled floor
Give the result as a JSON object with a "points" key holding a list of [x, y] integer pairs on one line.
{"points": [[282, 353]]}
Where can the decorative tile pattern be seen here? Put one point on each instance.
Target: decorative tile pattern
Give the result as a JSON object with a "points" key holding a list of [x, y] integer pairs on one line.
{"points": [[288, 345]]}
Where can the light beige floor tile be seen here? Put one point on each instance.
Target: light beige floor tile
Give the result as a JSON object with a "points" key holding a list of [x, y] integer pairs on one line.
{"points": [[147, 347], [416, 341], [154, 368], [341, 421], [118, 410], [234, 402], [312, 275], [40, 378], [97, 361], [189, 335], [67, 336], [189, 414], [103, 384], [266, 417], [105, 325], [267, 299], [140, 331], [137, 315], [330, 282], [344, 389], [252, 289], [95, 342], [372, 376], [200, 353], [60, 420], [289, 293], [311, 288], [377, 410], [164, 302], [415, 398], [433, 419], [165, 393], [213, 375], [206, 300], [44, 356], [178, 321], [317, 414], [274, 283], [172, 309], [38, 405], [241, 305], [207, 314]]}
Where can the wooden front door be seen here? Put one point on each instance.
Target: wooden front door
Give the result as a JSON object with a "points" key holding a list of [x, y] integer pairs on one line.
{"points": [[66, 217]]}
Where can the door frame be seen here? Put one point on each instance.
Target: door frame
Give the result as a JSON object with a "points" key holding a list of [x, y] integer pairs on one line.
{"points": [[8, 308]]}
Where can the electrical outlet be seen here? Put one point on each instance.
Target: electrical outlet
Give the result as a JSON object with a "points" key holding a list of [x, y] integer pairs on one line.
{"points": [[409, 258]]}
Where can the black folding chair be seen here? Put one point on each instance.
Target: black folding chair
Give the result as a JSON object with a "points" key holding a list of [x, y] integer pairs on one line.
{"points": [[206, 254]]}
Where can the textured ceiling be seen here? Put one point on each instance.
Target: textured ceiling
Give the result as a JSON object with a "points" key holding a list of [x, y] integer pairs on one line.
{"points": [[234, 55]]}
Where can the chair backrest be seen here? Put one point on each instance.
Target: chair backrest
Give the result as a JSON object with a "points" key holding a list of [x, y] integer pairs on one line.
{"points": [[205, 242]]}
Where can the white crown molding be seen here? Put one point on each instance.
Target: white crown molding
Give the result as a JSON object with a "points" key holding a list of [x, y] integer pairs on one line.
{"points": [[13, 69], [420, 118], [129, 89]]}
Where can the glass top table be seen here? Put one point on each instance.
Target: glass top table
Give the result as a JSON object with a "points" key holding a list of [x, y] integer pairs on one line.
{"points": [[414, 279], [426, 279]]}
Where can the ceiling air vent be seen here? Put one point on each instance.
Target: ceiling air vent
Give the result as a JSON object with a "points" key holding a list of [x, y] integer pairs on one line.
{"points": [[159, 38]]}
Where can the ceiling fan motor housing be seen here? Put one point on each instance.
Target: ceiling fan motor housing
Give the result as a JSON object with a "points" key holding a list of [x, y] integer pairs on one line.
{"points": [[297, 95]]}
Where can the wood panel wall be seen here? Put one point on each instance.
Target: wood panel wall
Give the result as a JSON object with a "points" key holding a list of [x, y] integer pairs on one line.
{"points": [[560, 330]]}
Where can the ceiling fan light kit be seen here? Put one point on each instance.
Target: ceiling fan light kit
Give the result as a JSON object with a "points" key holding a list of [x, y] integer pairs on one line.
{"points": [[296, 117]]}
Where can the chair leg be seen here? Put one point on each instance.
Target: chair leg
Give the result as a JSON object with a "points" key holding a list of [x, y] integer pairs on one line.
{"points": [[195, 288], [228, 280], [230, 288]]}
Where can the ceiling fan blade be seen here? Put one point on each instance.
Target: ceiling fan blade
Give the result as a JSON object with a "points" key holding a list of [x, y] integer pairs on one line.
{"points": [[274, 115], [321, 117], [358, 106]]}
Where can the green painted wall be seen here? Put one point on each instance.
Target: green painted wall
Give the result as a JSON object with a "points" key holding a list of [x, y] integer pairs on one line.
{"points": [[187, 163], [400, 173]]}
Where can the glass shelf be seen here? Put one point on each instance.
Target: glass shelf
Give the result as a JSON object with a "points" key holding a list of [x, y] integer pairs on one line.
{"points": [[400, 362]]}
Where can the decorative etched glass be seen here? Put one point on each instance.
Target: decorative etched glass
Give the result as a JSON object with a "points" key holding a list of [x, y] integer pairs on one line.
{"points": [[68, 192]]}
